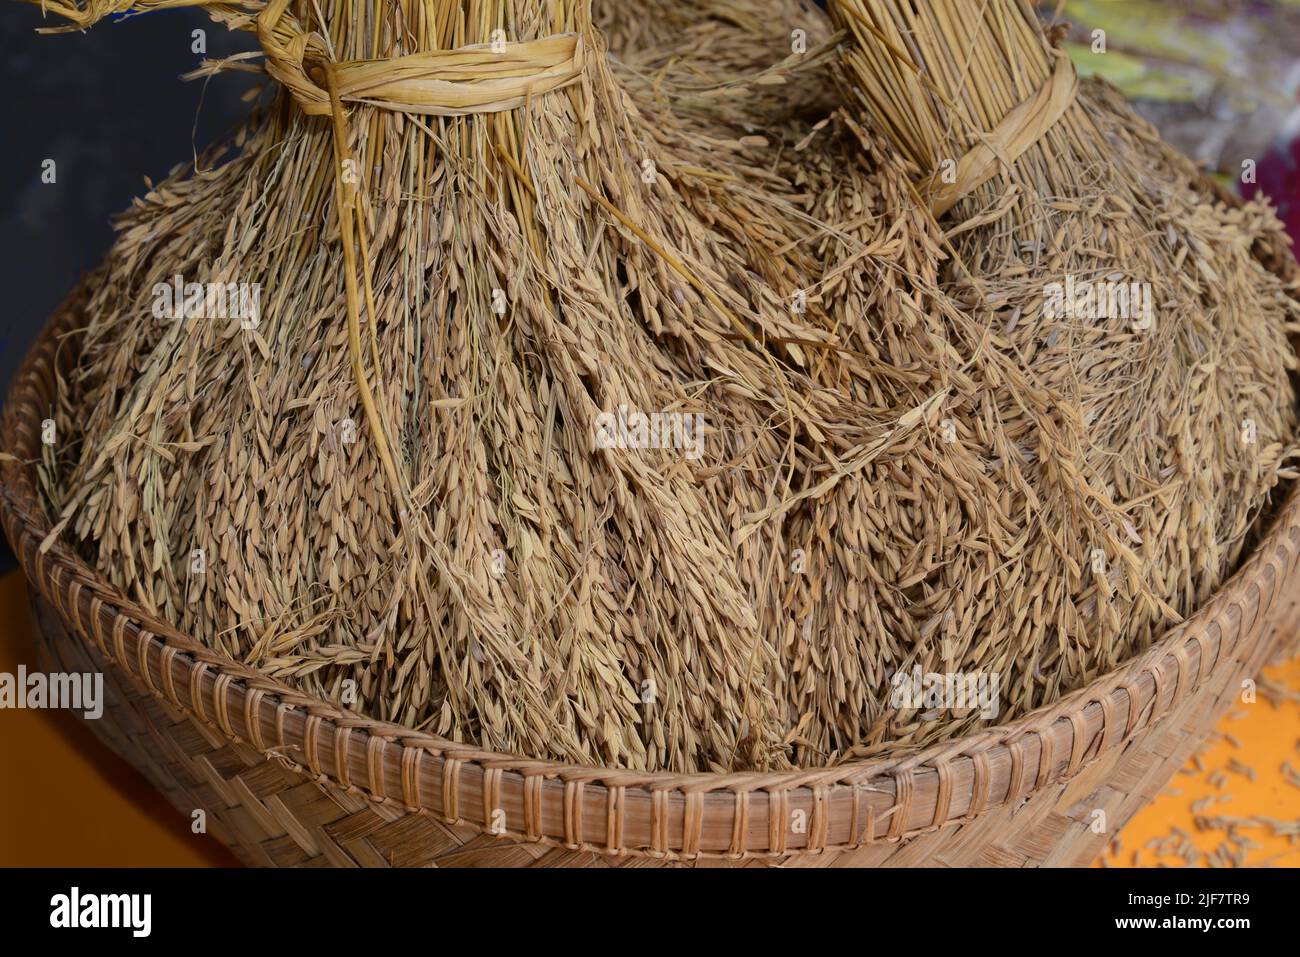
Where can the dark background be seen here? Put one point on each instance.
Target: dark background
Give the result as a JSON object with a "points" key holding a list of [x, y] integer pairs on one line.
{"points": [[109, 107]]}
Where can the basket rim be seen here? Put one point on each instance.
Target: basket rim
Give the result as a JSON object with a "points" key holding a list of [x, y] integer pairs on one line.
{"points": [[613, 811]]}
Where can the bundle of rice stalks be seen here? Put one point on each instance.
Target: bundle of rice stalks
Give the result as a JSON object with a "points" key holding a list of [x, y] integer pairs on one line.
{"points": [[577, 421], [1132, 407], [392, 477], [759, 63]]}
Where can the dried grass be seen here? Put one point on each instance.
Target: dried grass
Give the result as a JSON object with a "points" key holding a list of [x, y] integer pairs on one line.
{"points": [[914, 471]]}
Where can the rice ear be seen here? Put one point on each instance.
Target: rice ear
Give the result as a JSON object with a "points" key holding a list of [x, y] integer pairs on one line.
{"points": [[659, 420]]}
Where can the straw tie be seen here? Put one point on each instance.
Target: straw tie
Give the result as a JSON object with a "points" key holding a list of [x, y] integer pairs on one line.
{"points": [[1019, 130], [482, 78]]}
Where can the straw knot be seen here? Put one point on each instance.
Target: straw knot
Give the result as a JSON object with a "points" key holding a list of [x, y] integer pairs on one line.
{"points": [[1019, 130], [288, 48], [483, 78]]}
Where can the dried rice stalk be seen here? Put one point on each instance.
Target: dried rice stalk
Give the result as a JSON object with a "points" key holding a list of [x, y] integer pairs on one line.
{"points": [[911, 469], [1104, 478], [751, 63], [331, 560]]}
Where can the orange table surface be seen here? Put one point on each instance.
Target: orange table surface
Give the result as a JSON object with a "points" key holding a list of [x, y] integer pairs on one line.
{"points": [[67, 800], [1239, 796]]}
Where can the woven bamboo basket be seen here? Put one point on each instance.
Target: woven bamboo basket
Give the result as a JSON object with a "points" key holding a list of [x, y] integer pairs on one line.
{"points": [[289, 780]]}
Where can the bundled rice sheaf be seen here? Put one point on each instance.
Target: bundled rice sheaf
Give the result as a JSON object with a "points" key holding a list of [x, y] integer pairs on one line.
{"points": [[755, 64], [863, 438]]}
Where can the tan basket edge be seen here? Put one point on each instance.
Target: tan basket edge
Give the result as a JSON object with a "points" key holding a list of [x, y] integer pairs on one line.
{"points": [[662, 816]]}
